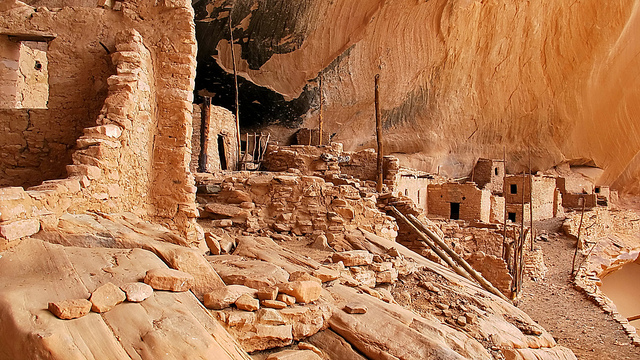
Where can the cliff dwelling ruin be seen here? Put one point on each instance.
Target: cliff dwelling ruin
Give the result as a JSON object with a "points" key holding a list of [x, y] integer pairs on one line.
{"points": [[271, 180]]}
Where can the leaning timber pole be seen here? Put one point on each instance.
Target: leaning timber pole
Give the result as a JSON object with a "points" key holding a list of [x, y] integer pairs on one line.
{"points": [[432, 245], [378, 134], [205, 125], [573, 262], [504, 183], [235, 82], [533, 234], [320, 119], [457, 258]]}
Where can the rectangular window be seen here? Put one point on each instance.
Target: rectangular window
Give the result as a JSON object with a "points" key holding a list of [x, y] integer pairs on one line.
{"points": [[455, 211], [514, 188], [512, 217]]}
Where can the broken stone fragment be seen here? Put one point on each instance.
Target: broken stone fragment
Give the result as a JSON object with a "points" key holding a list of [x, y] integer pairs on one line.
{"points": [[381, 266], [70, 309], [353, 258], [238, 197], [19, 229], [321, 243], [266, 337], [326, 274], [270, 317], [294, 355], [355, 308], [213, 243], [303, 291], [221, 298], [268, 293], [247, 302], [387, 277], [287, 299], [137, 292], [106, 297], [168, 279], [274, 304], [306, 346]]}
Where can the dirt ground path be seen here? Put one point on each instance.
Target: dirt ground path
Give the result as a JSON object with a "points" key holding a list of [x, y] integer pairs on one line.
{"points": [[575, 321]]}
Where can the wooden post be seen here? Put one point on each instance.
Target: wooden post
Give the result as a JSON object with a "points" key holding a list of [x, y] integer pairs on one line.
{"points": [[378, 134], [504, 194], [235, 82], [533, 234], [320, 120], [573, 262], [205, 125]]}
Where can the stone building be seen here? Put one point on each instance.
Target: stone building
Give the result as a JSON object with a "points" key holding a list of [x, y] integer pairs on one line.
{"points": [[112, 131], [489, 174], [459, 201], [537, 191], [414, 186]]}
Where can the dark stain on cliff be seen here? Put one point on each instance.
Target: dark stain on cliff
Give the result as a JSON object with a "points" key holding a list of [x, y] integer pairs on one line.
{"points": [[272, 27], [259, 106]]}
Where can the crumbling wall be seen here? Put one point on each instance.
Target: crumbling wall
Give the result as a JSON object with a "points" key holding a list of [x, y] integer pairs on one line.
{"points": [[489, 175], [415, 188], [474, 204], [136, 158], [290, 203], [492, 268]]}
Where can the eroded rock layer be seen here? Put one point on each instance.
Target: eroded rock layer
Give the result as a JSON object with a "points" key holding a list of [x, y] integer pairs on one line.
{"points": [[459, 79]]}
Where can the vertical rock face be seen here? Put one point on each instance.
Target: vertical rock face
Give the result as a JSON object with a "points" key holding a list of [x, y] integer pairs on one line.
{"points": [[459, 79]]}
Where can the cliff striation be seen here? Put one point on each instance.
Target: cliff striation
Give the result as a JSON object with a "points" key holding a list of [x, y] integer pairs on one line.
{"points": [[460, 79]]}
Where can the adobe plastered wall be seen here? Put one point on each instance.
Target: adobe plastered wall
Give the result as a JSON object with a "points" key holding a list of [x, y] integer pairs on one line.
{"points": [[135, 155], [415, 188]]}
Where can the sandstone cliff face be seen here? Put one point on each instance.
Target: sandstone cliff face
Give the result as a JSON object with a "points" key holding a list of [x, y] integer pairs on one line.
{"points": [[459, 78]]}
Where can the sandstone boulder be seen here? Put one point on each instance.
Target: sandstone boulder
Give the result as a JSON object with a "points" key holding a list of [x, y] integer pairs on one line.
{"points": [[355, 308], [137, 292], [287, 299], [70, 309], [268, 293], [168, 279], [223, 297], [274, 304], [270, 317], [106, 297], [247, 302], [266, 337], [353, 257], [303, 291]]}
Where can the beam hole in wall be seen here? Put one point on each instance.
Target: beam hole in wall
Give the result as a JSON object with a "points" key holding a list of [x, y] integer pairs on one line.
{"points": [[455, 211]]}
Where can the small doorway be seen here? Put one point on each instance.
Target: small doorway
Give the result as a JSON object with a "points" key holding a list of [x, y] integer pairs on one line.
{"points": [[455, 211], [222, 153], [512, 217]]}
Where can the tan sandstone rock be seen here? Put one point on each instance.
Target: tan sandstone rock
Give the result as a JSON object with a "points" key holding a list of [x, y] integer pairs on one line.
{"points": [[247, 302], [303, 291], [168, 279], [223, 297], [353, 258], [294, 355], [70, 309], [137, 292], [106, 297]]}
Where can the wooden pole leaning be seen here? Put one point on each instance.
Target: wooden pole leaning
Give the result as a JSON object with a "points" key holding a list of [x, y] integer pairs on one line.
{"points": [[235, 82], [457, 258], [379, 169], [433, 246], [320, 120]]}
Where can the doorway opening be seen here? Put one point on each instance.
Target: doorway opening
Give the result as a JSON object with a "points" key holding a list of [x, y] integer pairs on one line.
{"points": [[455, 211], [222, 153]]}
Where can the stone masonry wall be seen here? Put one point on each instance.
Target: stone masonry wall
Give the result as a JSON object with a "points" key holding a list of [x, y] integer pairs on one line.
{"points": [[290, 203], [475, 204], [222, 127], [136, 158], [489, 175]]}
